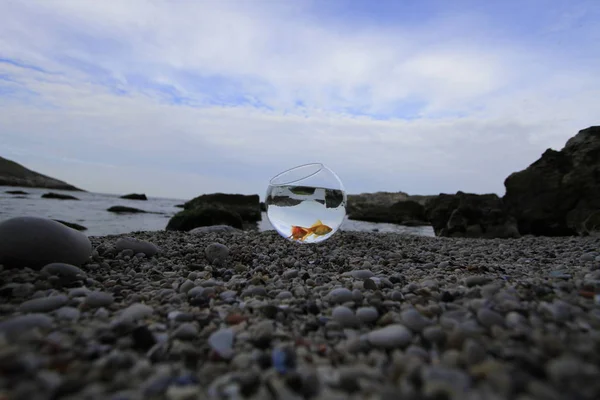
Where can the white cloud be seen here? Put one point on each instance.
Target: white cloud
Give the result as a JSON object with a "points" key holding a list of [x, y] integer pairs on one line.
{"points": [[461, 114]]}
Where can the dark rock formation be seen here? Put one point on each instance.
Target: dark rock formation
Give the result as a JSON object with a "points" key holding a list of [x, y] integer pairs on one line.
{"points": [[135, 196], [402, 212], [246, 206], [187, 220], [58, 196], [559, 194], [236, 210], [16, 192], [470, 215], [125, 210], [377, 198], [395, 208], [592, 224], [14, 174]]}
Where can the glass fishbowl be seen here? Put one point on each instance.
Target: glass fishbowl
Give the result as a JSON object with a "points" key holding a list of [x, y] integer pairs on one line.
{"points": [[307, 203]]}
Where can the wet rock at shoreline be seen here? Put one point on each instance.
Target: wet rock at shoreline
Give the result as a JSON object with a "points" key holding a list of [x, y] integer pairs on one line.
{"points": [[72, 225], [58, 196], [246, 206], [125, 210], [134, 196], [204, 216]]}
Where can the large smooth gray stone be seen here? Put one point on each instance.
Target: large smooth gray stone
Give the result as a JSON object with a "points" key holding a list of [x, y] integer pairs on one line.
{"points": [[216, 252], [35, 242], [15, 326], [392, 336], [340, 295], [43, 304], [63, 270]]}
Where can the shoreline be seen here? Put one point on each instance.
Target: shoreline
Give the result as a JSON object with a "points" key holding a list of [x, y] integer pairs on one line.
{"points": [[92, 214], [361, 315]]}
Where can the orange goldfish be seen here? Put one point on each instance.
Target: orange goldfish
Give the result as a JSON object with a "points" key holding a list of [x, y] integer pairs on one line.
{"points": [[298, 232], [317, 229]]}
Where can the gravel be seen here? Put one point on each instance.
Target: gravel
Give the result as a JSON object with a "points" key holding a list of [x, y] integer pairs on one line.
{"points": [[222, 314]]}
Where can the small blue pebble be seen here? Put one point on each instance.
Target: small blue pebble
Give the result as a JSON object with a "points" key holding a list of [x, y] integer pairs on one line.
{"points": [[283, 359], [279, 358], [185, 380]]}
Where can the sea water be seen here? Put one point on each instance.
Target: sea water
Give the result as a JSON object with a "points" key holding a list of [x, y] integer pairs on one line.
{"points": [[291, 206]]}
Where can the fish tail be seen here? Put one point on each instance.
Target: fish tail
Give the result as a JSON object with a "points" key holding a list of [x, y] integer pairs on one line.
{"points": [[318, 223]]}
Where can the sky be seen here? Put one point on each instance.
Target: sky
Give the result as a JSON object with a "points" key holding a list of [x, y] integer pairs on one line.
{"points": [[176, 98]]}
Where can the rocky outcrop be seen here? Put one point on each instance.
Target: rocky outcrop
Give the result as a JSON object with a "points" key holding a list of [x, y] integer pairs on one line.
{"points": [[125, 210], [58, 196], [591, 226], [377, 198], [204, 216], [135, 196], [236, 210], [403, 213], [247, 206], [397, 208], [559, 194], [470, 215], [14, 174]]}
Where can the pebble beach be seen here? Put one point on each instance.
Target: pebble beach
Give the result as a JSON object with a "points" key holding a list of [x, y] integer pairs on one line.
{"points": [[249, 315]]}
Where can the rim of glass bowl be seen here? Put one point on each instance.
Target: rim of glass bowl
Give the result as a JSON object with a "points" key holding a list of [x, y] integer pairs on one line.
{"points": [[273, 179]]}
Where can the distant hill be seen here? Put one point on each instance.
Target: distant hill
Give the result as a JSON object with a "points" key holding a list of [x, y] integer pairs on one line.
{"points": [[14, 174]]}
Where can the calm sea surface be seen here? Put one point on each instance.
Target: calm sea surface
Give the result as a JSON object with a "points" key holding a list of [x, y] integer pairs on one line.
{"points": [[90, 211]]}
